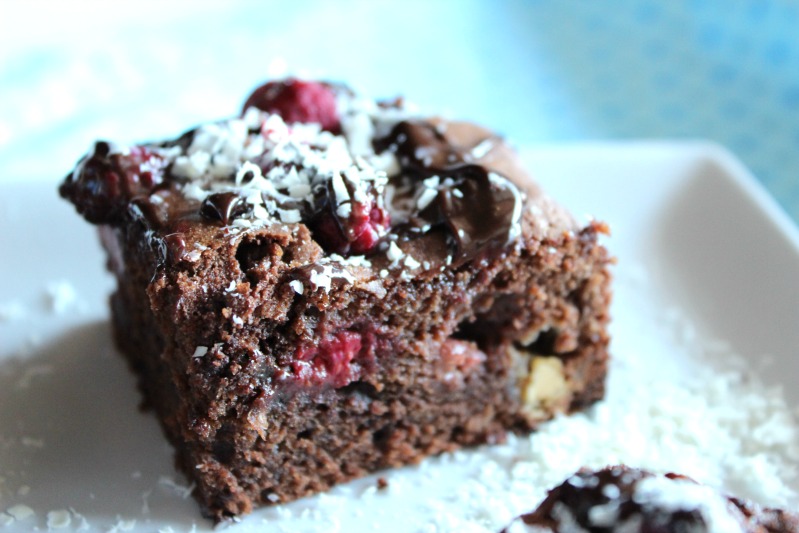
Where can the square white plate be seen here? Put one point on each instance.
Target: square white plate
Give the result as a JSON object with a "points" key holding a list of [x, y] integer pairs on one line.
{"points": [[705, 258]]}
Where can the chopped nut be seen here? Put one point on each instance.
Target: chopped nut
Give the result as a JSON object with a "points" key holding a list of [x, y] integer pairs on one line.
{"points": [[543, 386]]}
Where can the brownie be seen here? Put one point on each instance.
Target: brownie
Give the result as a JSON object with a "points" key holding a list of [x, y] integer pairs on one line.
{"points": [[327, 286], [630, 500]]}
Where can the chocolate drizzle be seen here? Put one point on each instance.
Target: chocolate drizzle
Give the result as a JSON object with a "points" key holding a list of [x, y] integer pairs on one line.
{"points": [[175, 247], [223, 206], [184, 141], [455, 179], [479, 208], [479, 211], [152, 214], [433, 147]]}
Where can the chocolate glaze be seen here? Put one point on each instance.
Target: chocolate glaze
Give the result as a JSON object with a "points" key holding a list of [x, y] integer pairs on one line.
{"points": [[480, 145], [184, 141], [475, 206], [478, 210], [153, 215], [424, 149], [175, 247], [223, 206]]}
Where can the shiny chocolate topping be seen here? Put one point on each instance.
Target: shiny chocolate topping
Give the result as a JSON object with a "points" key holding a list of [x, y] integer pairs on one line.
{"points": [[479, 208], [293, 157], [223, 206]]}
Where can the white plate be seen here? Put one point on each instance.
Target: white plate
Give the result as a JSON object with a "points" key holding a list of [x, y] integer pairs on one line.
{"points": [[704, 255]]}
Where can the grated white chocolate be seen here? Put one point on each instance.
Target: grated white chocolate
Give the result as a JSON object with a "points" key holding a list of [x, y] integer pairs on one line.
{"points": [[674, 495], [300, 157], [200, 351]]}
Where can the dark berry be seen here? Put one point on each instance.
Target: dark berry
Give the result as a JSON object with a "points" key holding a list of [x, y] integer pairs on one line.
{"points": [[298, 101], [106, 180]]}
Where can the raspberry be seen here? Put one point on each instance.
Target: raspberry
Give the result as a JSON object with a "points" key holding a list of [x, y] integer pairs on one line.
{"points": [[358, 234], [367, 224], [332, 361], [298, 101], [336, 354], [106, 180]]}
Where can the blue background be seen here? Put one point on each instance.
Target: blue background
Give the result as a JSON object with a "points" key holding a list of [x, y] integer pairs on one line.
{"points": [[538, 71]]}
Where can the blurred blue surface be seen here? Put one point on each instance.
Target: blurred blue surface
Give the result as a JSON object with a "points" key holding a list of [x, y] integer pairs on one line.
{"points": [[538, 71]]}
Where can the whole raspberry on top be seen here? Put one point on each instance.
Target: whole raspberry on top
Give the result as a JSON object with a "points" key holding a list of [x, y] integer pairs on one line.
{"points": [[298, 101]]}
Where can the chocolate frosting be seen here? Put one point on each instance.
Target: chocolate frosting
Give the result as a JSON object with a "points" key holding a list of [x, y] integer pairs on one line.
{"points": [[223, 206], [475, 200], [479, 207]]}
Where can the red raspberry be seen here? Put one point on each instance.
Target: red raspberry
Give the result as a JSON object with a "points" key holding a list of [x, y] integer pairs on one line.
{"points": [[298, 101], [331, 361], [336, 354], [358, 234], [367, 224]]}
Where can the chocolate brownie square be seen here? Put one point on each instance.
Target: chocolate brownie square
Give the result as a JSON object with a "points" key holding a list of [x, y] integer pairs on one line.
{"points": [[327, 286]]}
